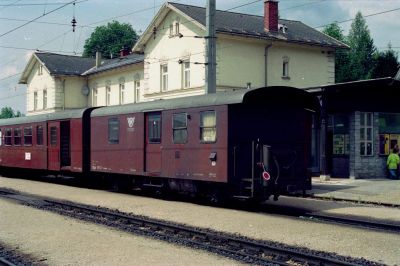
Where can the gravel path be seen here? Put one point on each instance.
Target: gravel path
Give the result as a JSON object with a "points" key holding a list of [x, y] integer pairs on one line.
{"points": [[377, 246], [57, 240]]}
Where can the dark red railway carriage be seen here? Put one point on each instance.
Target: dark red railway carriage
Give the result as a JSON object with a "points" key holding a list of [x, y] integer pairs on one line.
{"points": [[50, 143], [247, 144]]}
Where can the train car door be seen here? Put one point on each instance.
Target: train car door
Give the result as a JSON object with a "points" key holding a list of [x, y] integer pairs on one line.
{"points": [[65, 144], [153, 143], [53, 147]]}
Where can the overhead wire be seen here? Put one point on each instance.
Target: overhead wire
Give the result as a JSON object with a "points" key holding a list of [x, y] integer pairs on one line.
{"points": [[30, 21]]}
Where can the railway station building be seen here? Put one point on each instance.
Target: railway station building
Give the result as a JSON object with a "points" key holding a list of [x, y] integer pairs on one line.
{"points": [[168, 61], [360, 125]]}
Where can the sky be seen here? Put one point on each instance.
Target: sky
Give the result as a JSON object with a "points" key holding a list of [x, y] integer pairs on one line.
{"points": [[52, 31]]}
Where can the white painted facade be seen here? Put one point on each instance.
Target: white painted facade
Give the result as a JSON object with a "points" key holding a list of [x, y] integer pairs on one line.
{"points": [[174, 66], [241, 62], [125, 85]]}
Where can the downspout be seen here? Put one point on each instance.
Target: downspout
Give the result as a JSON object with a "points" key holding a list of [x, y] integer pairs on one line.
{"points": [[266, 64]]}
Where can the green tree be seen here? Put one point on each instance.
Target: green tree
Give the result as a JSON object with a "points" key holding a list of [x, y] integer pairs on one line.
{"points": [[8, 112], [341, 55], [386, 63], [362, 50], [110, 39]]}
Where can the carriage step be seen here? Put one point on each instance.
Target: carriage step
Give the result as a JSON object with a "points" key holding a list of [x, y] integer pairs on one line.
{"points": [[247, 180], [242, 197]]}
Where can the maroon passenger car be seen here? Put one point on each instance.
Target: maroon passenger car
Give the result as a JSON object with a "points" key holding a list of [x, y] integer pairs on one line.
{"points": [[50, 143], [245, 144]]}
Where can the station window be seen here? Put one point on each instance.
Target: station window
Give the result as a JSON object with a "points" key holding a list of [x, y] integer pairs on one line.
{"points": [[28, 136], [113, 130], [8, 137], [208, 126], [17, 136], [366, 134], [154, 128], [39, 135], [164, 77], [389, 132], [179, 125], [341, 137], [53, 136]]}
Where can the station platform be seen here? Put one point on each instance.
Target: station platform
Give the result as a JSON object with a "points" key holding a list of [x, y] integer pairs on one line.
{"points": [[380, 191]]}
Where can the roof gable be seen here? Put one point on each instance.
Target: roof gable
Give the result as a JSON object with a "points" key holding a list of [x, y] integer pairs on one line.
{"points": [[57, 65], [245, 25]]}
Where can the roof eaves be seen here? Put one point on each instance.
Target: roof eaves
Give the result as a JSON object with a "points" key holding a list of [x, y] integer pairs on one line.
{"points": [[341, 44], [147, 33]]}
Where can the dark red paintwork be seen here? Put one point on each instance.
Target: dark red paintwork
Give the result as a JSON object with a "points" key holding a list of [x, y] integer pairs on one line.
{"points": [[134, 155], [32, 156]]}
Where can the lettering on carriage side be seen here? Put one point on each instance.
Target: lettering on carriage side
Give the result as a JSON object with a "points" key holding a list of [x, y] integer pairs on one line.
{"points": [[131, 123], [27, 156]]}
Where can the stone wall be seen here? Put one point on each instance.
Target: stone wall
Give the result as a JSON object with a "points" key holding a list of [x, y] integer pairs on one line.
{"points": [[365, 166]]}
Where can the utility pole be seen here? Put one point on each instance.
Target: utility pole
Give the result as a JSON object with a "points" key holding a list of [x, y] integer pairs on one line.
{"points": [[211, 76]]}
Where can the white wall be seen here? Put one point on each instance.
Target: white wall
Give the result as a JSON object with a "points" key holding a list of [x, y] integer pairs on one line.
{"points": [[168, 50], [129, 74], [37, 83]]}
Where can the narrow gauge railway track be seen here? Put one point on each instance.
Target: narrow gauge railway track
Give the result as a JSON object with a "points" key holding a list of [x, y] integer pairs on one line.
{"points": [[232, 246], [6, 262], [361, 202], [352, 222]]}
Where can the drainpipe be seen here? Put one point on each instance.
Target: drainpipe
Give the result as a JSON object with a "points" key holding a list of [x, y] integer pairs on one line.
{"points": [[266, 64]]}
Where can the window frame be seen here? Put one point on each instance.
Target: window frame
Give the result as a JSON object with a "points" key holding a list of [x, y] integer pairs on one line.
{"points": [[44, 99], [40, 70], [181, 128], [164, 77], [28, 135], [364, 130], [185, 70], [53, 136], [285, 67], [108, 93], [111, 134], [35, 100], [150, 138], [1, 137], [121, 91], [17, 129], [202, 141], [39, 128], [136, 84], [8, 137]]}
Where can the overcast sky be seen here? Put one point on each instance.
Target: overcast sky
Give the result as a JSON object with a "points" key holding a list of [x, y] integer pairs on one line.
{"points": [[50, 33]]}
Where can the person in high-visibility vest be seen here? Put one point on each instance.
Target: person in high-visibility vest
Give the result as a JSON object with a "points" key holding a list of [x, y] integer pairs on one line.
{"points": [[393, 162]]}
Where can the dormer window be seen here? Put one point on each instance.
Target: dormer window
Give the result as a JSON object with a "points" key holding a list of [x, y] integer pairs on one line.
{"points": [[40, 70]]}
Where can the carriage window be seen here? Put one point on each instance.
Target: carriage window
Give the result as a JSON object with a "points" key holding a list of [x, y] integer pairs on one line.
{"points": [[113, 130], [208, 126], [7, 137], [39, 135], [179, 124], [17, 136], [154, 128], [28, 136], [53, 136]]}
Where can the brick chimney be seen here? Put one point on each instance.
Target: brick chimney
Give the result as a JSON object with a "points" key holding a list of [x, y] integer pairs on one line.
{"points": [[271, 15], [124, 51]]}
